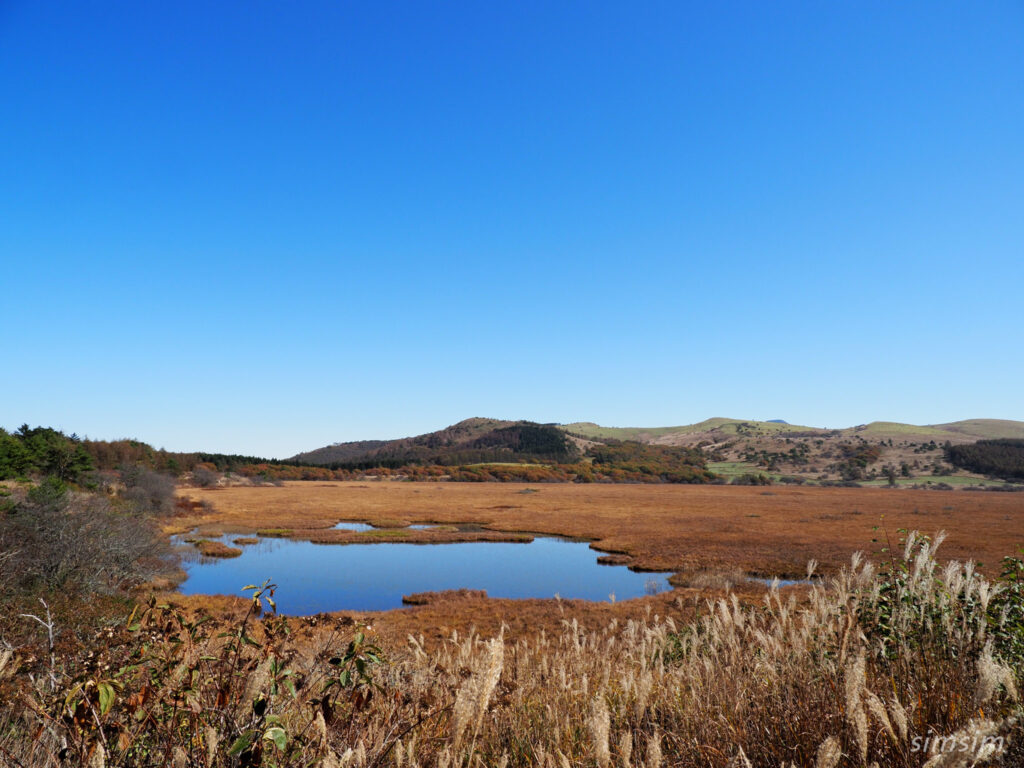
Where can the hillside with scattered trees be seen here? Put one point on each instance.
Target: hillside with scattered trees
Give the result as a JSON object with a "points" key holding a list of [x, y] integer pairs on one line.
{"points": [[468, 442]]}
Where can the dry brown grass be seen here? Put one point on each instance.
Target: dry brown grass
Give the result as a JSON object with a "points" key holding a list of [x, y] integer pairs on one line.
{"points": [[665, 527], [437, 619], [216, 549], [426, 598], [404, 535], [856, 675], [708, 535]]}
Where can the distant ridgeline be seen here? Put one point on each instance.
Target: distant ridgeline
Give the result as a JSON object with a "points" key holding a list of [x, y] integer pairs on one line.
{"points": [[493, 450], [997, 458], [480, 450], [473, 441], [476, 450]]}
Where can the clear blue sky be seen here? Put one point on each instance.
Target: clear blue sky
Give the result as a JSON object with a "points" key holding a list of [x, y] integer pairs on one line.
{"points": [[262, 227]]}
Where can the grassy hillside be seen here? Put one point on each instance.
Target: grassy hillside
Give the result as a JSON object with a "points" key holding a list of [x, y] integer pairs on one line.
{"points": [[597, 432], [958, 431], [718, 424], [895, 430], [880, 452], [886, 452], [488, 449], [339, 452], [987, 429]]}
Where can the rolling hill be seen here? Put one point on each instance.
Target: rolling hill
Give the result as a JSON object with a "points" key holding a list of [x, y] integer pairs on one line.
{"points": [[716, 429], [469, 441], [986, 429], [871, 453]]}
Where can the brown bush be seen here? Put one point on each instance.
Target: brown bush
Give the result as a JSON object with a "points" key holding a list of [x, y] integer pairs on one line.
{"points": [[54, 538]]}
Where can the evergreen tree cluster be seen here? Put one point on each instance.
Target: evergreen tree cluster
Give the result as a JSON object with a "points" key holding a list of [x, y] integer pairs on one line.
{"points": [[998, 458], [42, 451]]}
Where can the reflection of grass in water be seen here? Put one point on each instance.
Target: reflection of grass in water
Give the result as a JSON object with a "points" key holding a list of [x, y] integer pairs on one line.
{"points": [[246, 540], [652, 587], [384, 533], [388, 522], [724, 578]]}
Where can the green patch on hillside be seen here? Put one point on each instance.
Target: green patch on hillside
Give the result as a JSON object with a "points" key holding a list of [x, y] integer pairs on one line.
{"points": [[884, 429], [596, 431], [731, 469]]}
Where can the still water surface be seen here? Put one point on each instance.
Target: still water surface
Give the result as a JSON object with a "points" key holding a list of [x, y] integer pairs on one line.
{"points": [[314, 578]]}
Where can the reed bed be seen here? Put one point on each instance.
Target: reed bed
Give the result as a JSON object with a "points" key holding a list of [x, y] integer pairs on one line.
{"points": [[917, 664]]}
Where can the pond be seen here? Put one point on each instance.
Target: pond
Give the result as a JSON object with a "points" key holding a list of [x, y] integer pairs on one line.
{"points": [[346, 526], [315, 578]]}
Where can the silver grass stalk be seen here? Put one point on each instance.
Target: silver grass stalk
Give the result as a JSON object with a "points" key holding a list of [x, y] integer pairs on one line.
{"points": [[654, 758], [212, 743], [899, 717], [855, 715], [878, 710], [99, 757], [600, 727], [625, 748], [829, 754]]}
